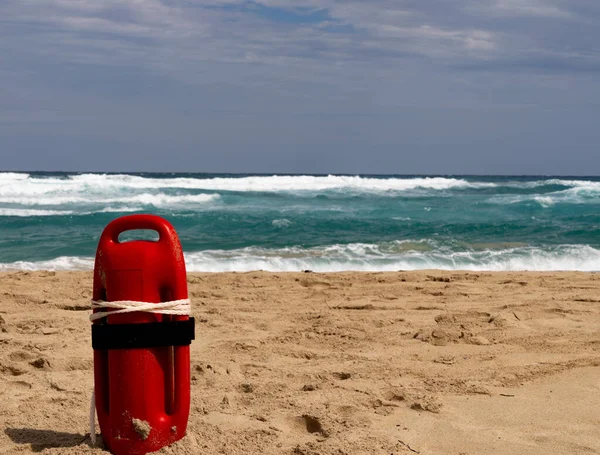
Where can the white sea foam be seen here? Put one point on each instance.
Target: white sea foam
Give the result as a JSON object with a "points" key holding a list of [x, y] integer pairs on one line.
{"points": [[60, 263], [574, 183], [161, 200], [280, 183], [33, 212], [92, 193], [281, 223], [12, 176], [28, 190], [102, 184], [547, 182], [366, 257], [545, 201], [583, 193], [117, 210], [36, 212], [157, 200]]}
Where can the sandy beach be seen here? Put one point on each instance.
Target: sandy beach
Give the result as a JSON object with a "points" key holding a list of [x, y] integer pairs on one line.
{"points": [[348, 363]]}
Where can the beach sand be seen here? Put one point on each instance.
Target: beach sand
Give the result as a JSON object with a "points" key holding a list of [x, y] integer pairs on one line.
{"points": [[349, 363]]}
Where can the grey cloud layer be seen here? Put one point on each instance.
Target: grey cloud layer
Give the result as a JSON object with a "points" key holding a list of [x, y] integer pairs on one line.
{"points": [[283, 84], [152, 31]]}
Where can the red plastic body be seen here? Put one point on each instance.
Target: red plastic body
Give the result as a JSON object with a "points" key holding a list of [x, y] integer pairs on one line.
{"points": [[153, 384]]}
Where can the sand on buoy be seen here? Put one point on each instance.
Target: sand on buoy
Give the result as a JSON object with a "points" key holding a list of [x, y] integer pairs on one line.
{"points": [[142, 428]]}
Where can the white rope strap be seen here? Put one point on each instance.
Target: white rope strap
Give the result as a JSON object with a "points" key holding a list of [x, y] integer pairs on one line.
{"points": [[93, 418], [176, 307]]}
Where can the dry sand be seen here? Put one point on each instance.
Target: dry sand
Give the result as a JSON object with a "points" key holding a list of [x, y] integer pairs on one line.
{"points": [[350, 363]]}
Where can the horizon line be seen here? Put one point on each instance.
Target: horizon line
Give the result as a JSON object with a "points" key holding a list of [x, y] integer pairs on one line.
{"points": [[21, 171]]}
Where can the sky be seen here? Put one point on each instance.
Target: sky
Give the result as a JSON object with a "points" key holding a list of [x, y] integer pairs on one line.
{"points": [[287, 86]]}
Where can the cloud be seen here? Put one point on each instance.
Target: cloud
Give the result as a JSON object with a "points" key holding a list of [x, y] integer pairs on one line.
{"points": [[203, 31], [198, 42], [279, 75], [540, 8], [161, 35]]}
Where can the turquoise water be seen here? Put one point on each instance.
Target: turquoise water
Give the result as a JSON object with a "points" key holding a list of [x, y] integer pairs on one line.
{"points": [[322, 223]]}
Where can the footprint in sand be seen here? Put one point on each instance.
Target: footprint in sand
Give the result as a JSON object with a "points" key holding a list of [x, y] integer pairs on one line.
{"points": [[21, 356], [3, 325], [310, 424]]}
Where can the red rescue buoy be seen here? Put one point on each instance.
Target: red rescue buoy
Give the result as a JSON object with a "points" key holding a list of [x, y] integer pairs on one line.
{"points": [[141, 359]]}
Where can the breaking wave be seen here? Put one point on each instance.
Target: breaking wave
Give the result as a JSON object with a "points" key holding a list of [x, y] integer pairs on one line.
{"points": [[30, 213], [109, 183], [389, 257], [252, 222]]}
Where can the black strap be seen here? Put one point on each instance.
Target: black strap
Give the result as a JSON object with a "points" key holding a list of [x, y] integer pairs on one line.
{"points": [[144, 335]]}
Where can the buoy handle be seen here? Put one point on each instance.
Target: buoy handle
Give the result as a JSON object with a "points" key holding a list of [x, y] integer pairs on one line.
{"points": [[165, 230]]}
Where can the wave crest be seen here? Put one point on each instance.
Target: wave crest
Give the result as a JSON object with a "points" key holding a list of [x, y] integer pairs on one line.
{"points": [[393, 256]]}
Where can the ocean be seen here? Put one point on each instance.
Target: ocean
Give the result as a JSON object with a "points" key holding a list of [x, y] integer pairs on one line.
{"points": [[322, 223]]}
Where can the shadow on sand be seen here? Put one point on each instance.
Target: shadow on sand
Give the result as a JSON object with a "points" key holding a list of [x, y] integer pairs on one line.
{"points": [[44, 439]]}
